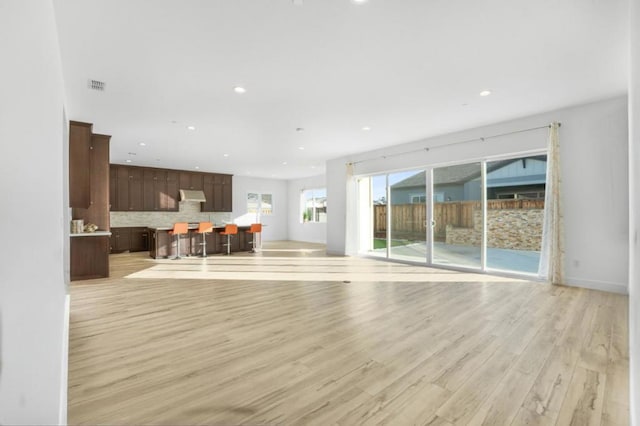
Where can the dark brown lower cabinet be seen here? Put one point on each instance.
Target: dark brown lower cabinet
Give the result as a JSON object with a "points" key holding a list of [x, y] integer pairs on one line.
{"points": [[89, 257], [129, 239], [139, 239], [120, 239], [159, 244]]}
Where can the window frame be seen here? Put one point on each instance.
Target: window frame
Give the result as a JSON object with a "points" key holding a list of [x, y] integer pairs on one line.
{"points": [[259, 210], [314, 213]]}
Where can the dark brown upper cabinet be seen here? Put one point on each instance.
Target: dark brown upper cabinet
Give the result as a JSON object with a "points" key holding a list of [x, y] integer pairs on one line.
{"points": [[217, 190], [154, 183], [227, 193], [160, 190], [136, 189], [113, 185], [190, 180], [122, 189], [207, 188], [169, 199], [149, 189], [79, 164], [98, 210]]}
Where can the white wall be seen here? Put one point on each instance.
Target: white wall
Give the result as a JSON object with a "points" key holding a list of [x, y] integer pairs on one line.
{"points": [[310, 232], [593, 142], [337, 183], [634, 209], [275, 225], [32, 218]]}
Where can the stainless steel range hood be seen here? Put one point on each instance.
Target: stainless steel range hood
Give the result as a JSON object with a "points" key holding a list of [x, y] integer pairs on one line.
{"points": [[190, 195]]}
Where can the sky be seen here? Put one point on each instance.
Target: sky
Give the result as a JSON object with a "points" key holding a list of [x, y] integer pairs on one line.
{"points": [[379, 182]]}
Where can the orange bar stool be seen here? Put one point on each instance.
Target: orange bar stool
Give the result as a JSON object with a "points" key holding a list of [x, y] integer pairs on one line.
{"points": [[256, 228], [179, 228], [204, 228], [229, 231]]}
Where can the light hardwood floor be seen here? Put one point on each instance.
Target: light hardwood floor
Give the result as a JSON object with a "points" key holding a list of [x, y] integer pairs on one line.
{"points": [[295, 337]]}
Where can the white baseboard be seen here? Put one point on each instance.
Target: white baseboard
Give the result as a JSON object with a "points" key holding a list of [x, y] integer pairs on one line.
{"points": [[607, 286]]}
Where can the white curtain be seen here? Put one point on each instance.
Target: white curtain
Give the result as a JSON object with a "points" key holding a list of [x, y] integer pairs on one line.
{"points": [[552, 253], [349, 171], [351, 222]]}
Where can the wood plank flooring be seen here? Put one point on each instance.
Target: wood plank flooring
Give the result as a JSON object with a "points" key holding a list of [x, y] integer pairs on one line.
{"points": [[291, 336]]}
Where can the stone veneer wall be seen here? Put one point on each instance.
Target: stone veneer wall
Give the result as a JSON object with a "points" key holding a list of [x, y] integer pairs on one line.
{"points": [[517, 229], [188, 212]]}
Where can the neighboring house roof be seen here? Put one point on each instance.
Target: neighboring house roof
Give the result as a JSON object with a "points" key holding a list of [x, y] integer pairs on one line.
{"points": [[456, 174], [319, 202]]}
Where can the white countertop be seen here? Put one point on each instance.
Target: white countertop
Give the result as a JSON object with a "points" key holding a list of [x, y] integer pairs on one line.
{"points": [[191, 226], [92, 234]]}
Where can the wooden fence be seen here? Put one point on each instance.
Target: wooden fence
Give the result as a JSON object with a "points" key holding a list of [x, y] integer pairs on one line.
{"points": [[411, 219]]}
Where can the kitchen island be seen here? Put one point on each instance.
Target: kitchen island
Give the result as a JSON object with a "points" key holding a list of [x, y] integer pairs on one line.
{"points": [[163, 245]]}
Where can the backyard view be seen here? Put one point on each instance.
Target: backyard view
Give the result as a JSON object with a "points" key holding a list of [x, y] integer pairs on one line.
{"points": [[515, 191]]}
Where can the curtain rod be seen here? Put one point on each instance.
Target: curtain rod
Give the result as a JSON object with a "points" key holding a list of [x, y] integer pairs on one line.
{"points": [[427, 149]]}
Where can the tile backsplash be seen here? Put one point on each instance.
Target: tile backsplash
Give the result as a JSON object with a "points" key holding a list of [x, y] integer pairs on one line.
{"points": [[188, 212]]}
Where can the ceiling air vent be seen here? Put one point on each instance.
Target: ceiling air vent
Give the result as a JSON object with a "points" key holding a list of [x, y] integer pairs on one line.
{"points": [[96, 85]]}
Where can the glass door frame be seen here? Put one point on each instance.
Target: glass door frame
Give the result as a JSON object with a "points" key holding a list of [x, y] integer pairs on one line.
{"points": [[483, 205], [429, 186], [390, 230]]}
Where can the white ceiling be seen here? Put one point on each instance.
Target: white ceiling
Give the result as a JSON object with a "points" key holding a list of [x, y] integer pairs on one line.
{"points": [[408, 69]]}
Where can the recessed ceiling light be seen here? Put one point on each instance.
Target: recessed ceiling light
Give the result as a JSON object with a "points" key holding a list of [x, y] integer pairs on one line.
{"points": [[485, 93], [366, 128], [142, 144], [196, 167], [191, 127], [225, 155], [239, 89], [359, 1], [284, 163], [301, 148], [127, 161], [313, 167]]}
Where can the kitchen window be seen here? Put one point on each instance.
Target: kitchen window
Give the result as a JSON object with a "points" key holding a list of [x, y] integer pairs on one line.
{"points": [[260, 204], [313, 205]]}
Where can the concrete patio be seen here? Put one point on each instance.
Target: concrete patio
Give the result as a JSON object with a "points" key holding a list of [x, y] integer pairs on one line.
{"points": [[521, 261]]}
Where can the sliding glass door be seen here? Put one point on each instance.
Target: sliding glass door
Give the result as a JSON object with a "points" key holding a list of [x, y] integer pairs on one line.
{"points": [[378, 205], [515, 209], [408, 215], [484, 215], [457, 215]]}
